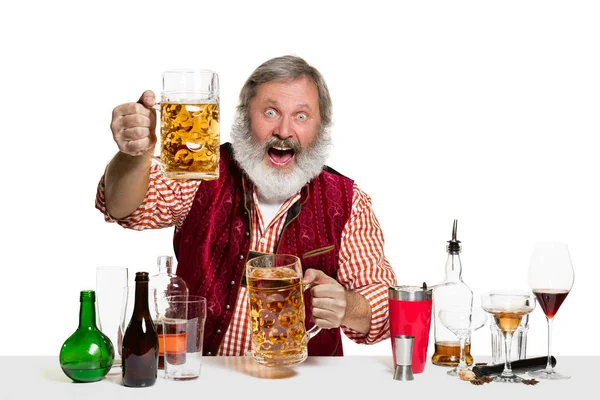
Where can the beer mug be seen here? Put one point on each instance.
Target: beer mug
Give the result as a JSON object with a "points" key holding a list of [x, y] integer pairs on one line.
{"points": [[189, 124], [276, 301]]}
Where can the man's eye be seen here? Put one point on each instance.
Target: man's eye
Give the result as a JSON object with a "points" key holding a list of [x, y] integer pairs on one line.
{"points": [[302, 117], [270, 113]]}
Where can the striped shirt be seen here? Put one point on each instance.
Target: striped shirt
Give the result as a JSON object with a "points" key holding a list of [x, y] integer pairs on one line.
{"points": [[363, 267]]}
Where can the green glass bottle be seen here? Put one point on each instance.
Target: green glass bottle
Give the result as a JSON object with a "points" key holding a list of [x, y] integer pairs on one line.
{"points": [[88, 354]]}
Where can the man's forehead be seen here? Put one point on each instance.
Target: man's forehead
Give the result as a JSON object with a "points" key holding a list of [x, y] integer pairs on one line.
{"points": [[300, 92], [276, 103]]}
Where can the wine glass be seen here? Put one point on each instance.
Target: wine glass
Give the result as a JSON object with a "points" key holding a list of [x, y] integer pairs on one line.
{"points": [[550, 278], [462, 321], [508, 308]]}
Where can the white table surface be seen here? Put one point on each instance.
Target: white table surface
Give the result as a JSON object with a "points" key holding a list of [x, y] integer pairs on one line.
{"points": [[356, 377]]}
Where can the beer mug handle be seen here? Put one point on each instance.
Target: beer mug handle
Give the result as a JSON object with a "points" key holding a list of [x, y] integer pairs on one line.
{"points": [[315, 329]]}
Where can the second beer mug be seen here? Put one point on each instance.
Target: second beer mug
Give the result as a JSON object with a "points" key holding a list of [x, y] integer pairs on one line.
{"points": [[189, 124], [276, 301]]}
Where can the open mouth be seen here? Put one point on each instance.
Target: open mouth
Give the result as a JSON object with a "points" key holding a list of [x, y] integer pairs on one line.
{"points": [[280, 156]]}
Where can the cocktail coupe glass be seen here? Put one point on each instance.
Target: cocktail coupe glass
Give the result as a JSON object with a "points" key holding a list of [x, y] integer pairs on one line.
{"points": [[508, 308], [551, 277], [462, 321]]}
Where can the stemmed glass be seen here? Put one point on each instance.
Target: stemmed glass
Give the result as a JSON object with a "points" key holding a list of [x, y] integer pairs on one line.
{"points": [[550, 278], [462, 321], [508, 308]]}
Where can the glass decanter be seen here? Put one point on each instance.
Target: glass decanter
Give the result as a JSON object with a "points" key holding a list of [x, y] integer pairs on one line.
{"points": [[163, 285]]}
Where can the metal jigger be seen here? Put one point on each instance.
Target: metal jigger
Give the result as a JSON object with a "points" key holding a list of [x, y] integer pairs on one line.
{"points": [[403, 348]]}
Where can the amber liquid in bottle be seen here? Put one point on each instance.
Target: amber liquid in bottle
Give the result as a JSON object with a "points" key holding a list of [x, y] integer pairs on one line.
{"points": [[448, 354], [140, 342]]}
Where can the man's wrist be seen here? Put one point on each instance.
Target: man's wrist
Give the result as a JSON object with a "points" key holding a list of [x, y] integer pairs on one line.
{"points": [[357, 315]]}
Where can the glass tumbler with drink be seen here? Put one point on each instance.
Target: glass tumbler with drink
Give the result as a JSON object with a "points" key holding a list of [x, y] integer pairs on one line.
{"points": [[189, 124], [507, 309], [183, 336], [551, 277]]}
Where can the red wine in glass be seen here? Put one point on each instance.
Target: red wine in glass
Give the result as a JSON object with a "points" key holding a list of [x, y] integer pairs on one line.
{"points": [[551, 278], [550, 300]]}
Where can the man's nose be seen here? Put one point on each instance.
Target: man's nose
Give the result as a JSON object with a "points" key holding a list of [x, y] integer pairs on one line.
{"points": [[284, 129]]}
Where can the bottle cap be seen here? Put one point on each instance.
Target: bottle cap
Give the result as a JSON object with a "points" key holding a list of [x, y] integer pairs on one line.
{"points": [[164, 263], [142, 277], [87, 295]]}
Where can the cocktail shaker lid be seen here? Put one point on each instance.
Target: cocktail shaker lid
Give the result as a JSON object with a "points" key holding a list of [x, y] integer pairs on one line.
{"points": [[410, 293]]}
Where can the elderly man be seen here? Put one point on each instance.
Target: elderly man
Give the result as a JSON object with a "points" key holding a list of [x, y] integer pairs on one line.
{"points": [[274, 195]]}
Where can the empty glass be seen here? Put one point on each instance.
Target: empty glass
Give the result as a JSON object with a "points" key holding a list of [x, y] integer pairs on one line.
{"points": [[111, 301], [462, 321]]}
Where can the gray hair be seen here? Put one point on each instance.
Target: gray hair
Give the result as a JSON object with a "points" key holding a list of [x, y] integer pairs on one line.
{"points": [[284, 69]]}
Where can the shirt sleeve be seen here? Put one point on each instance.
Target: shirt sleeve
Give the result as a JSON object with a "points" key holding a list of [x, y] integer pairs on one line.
{"points": [[166, 204], [363, 267]]}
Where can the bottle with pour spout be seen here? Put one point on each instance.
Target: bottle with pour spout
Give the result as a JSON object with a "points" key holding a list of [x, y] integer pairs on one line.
{"points": [[452, 292]]}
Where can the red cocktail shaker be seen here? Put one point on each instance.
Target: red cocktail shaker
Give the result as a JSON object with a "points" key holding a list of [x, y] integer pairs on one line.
{"points": [[410, 314]]}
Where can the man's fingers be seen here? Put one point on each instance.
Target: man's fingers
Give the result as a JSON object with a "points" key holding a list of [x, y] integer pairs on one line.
{"points": [[324, 323], [316, 276], [135, 120], [134, 133], [132, 109], [136, 147], [326, 319], [328, 303], [147, 99], [332, 291]]}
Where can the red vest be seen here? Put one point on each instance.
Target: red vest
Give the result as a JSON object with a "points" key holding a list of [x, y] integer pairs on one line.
{"points": [[213, 244]]}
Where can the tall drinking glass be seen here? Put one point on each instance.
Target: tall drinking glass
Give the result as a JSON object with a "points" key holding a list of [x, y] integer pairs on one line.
{"points": [[111, 301], [551, 277], [508, 308], [189, 124]]}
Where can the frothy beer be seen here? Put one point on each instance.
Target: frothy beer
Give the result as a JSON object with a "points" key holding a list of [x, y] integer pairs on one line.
{"points": [[189, 135]]}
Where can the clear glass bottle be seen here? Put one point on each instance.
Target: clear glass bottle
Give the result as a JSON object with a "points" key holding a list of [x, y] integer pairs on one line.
{"points": [[88, 354], [140, 341], [452, 292], [163, 284]]}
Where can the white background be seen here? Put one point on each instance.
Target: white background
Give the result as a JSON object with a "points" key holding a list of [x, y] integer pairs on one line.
{"points": [[487, 112]]}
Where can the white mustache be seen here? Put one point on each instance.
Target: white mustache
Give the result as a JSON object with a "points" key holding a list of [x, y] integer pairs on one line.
{"points": [[282, 144]]}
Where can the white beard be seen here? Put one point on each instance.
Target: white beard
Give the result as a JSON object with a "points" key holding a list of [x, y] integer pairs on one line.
{"points": [[275, 184]]}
